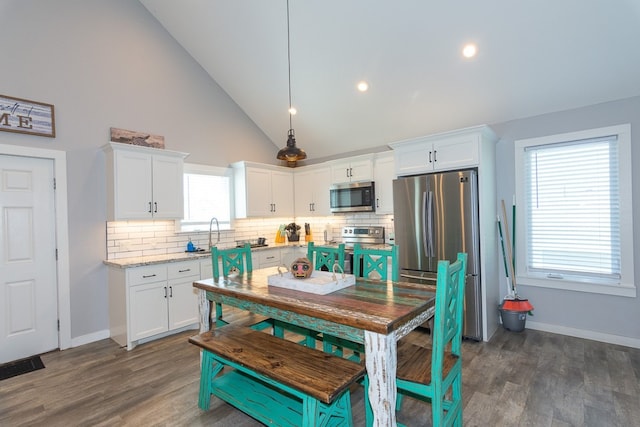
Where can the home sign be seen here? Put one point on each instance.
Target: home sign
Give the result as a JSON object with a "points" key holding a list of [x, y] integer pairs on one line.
{"points": [[24, 116]]}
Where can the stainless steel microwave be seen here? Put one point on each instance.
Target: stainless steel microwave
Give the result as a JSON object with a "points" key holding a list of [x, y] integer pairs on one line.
{"points": [[353, 197]]}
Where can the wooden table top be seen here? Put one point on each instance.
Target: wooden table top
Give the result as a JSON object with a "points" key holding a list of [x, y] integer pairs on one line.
{"points": [[370, 305]]}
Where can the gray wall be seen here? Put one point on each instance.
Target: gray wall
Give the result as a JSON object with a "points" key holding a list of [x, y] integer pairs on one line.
{"points": [[567, 311], [110, 64]]}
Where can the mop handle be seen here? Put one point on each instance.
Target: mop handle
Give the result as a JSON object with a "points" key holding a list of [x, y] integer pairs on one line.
{"points": [[509, 253]]}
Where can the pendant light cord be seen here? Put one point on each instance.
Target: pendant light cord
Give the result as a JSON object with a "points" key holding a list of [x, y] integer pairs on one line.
{"points": [[289, 65]]}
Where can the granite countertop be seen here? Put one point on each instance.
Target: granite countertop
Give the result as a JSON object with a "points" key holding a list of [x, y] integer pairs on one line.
{"points": [[184, 256]]}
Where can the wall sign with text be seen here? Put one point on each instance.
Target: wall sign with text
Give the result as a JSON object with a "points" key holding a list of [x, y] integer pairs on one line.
{"points": [[24, 116]]}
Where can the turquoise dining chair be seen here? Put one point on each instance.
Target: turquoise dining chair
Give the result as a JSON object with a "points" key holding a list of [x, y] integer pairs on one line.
{"points": [[323, 257], [369, 263], [373, 263], [435, 374], [226, 262]]}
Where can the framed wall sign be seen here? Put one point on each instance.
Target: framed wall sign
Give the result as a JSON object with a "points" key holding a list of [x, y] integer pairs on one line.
{"points": [[25, 116]]}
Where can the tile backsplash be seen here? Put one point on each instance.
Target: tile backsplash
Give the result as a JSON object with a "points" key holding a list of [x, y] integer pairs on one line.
{"points": [[127, 239]]}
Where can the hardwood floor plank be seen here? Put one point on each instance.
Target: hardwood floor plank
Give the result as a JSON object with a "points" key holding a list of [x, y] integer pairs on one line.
{"points": [[530, 378]]}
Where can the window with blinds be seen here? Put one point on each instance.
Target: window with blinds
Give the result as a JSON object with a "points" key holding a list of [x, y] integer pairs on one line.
{"points": [[573, 208], [575, 216]]}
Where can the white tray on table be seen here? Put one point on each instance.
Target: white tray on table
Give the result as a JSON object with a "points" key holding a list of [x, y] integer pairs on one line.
{"points": [[320, 282]]}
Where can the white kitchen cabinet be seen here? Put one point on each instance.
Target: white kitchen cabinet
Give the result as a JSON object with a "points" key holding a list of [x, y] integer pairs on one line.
{"points": [[383, 175], [143, 182], [445, 151], [149, 302], [352, 169], [206, 268], [262, 190], [267, 258], [183, 297], [292, 253], [312, 191]]}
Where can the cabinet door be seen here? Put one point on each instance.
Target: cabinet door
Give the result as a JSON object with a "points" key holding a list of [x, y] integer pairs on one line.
{"points": [[148, 310], [312, 192], [282, 193], [457, 152], [352, 170], [361, 170], [383, 171], [183, 302], [168, 201], [206, 268], [303, 186], [132, 186], [320, 187], [258, 192], [340, 172]]}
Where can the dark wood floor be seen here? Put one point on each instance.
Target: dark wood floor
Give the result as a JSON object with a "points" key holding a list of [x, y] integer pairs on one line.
{"points": [[529, 378]]}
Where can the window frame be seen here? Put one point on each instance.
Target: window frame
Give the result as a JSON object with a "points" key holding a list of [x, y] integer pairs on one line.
{"points": [[193, 168], [626, 286]]}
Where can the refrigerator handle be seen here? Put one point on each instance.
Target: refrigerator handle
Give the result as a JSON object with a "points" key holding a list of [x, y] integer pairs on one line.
{"points": [[430, 222], [427, 221], [425, 241]]}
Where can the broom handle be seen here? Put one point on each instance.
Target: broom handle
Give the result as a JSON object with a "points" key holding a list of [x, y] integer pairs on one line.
{"points": [[509, 251]]}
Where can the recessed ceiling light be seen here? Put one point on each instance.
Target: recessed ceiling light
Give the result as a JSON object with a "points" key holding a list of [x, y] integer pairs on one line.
{"points": [[292, 111], [469, 50], [363, 86]]}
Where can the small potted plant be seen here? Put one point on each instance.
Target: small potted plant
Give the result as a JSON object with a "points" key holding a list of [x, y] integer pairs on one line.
{"points": [[292, 232]]}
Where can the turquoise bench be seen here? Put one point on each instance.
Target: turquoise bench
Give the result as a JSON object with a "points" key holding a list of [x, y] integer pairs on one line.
{"points": [[276, 381]]}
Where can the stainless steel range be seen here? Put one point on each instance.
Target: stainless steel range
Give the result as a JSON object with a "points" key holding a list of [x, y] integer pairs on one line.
{"points": [[364, 235]]}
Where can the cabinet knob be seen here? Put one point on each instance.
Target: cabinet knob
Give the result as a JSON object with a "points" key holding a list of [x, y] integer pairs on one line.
{"points": [[155, 204], [149, 207]]}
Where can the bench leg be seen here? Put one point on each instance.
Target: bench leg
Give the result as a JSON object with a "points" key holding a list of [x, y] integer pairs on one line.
{"points": [[208, 371]]}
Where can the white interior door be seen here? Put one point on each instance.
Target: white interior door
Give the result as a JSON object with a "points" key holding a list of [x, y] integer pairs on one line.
{"points": [[28, 286]]}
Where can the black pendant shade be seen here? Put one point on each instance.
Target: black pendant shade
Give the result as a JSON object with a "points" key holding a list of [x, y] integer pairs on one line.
{"points": [[291, 153]]}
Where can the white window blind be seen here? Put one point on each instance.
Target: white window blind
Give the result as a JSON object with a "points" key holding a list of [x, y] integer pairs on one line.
{"points": [[573, 209]]}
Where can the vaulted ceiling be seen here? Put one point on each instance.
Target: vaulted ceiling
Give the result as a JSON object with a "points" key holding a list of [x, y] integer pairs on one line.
{"points": [[533, 57]]}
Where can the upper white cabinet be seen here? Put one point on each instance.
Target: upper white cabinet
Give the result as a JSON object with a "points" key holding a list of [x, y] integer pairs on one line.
{"points": [[262, 190], [353, 169], [383, 175], [444, 151], [311, 185], [143, 182]]}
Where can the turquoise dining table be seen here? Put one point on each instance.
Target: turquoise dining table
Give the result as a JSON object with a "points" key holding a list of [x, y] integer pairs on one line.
{"points": [[370, 312]]}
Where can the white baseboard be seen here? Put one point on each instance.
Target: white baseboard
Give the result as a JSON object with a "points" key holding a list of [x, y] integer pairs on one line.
{"points": [[582, 333], [89, 338]]}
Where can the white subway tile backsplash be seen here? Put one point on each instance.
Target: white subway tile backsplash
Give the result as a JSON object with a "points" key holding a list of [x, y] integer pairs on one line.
{"points": [[127, 239]]}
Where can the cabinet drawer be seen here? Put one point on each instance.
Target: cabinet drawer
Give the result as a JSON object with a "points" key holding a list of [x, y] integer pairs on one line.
{"points": [[147, 274], [177, 270], [269, 258]]}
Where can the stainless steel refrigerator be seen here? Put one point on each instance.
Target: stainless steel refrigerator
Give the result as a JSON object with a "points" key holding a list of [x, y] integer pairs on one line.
{"points": [[436, 216]]}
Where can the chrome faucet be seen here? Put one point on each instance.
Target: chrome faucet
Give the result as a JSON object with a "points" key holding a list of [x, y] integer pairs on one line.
{"points": [[210, 231]]}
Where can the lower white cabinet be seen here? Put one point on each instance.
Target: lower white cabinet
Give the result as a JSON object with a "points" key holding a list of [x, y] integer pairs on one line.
{"points": [[152, 301], [266, 258]]}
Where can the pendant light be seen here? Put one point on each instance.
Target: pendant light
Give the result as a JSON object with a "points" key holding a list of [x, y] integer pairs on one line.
{"points": [[290, 153]]}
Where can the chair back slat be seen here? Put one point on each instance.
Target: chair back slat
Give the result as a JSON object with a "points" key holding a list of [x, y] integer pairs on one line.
{"points": [[323, 257], [448, 316], [234, 260], [373, 263]]}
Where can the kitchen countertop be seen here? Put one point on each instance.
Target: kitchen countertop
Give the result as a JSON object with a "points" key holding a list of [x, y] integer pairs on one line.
{"points": [[185, 256]]}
